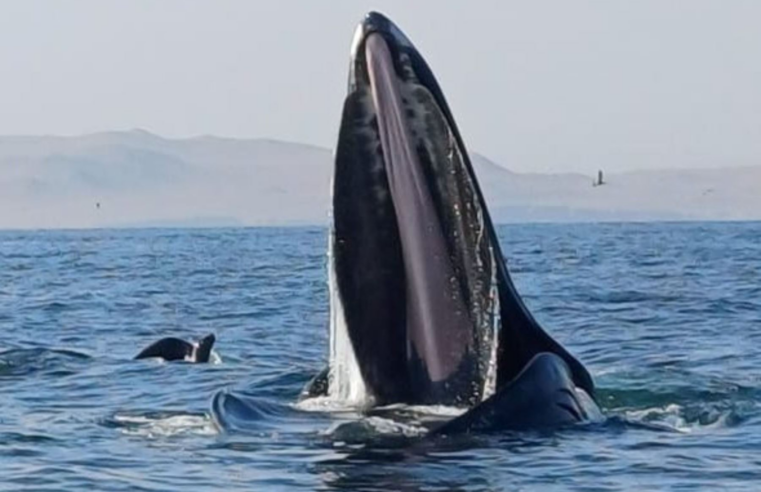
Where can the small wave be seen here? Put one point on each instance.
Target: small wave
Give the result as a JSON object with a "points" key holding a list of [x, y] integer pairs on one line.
{"points": [[153, 425], [237, 411], [25, 438], [230, 316], [608, 301], [50, 306], [25, 361]]}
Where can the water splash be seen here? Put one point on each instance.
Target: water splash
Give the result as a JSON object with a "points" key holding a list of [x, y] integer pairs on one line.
{"points": [[685, 419], [345, 380], [154, 425]]}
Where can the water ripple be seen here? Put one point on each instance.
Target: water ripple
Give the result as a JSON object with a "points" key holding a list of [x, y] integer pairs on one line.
{"points": [[666, 317]]}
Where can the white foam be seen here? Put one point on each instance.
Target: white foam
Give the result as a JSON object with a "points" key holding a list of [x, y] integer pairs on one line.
{"points": [[325, 404], [215, 358], [359, 430], [490, 379], [669, 416], [427, 410], [672, 416], [345, 381], [151, 427]]}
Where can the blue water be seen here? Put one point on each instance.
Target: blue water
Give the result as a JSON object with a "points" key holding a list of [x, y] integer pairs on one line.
{"points": [[667, 317]]}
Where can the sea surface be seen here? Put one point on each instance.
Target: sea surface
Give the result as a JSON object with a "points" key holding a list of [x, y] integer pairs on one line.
{"points": [[666, 316]]}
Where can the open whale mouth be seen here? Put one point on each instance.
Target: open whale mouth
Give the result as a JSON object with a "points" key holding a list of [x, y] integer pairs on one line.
{"points": [[414, 257], [422, 308]]}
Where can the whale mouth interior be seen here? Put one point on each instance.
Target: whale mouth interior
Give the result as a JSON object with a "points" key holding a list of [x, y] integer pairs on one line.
{"points": [[414, 266]]}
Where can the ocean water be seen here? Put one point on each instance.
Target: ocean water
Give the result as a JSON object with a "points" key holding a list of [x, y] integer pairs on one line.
{"points": [[667, 317]]}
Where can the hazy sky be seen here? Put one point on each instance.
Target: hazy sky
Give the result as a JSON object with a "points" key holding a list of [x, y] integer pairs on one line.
{"points": [[535, 85]]}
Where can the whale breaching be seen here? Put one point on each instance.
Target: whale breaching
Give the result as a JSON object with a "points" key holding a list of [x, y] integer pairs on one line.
{"points": [[422, 308]]}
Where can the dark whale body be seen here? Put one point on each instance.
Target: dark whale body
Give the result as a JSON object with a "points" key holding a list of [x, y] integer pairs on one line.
{"points": [[422, 308], [172, 349], [420, 286]]}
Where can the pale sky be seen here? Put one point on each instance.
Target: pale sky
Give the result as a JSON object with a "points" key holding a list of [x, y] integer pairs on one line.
{"points": [[534, 85]]}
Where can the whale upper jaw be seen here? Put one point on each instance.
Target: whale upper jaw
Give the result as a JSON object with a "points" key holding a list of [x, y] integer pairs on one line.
{"points": [[374, 22]]}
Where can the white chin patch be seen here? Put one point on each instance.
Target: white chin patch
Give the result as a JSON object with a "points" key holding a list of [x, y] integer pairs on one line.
{"points": [[192, 356]]}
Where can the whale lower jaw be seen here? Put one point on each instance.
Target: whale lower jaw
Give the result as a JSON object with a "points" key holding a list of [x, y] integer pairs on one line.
{"points": [[543, 395]]}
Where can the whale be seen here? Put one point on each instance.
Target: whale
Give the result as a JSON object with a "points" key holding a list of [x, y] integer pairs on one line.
{"points": [[423, 310], [173, 349]]}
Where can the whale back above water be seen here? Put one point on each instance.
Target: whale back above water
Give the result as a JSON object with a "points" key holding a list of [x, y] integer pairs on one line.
{"points": [[173, 349]]}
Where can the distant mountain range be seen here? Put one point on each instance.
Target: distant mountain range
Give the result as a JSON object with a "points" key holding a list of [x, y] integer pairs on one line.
{"points": [[135, 178]]}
